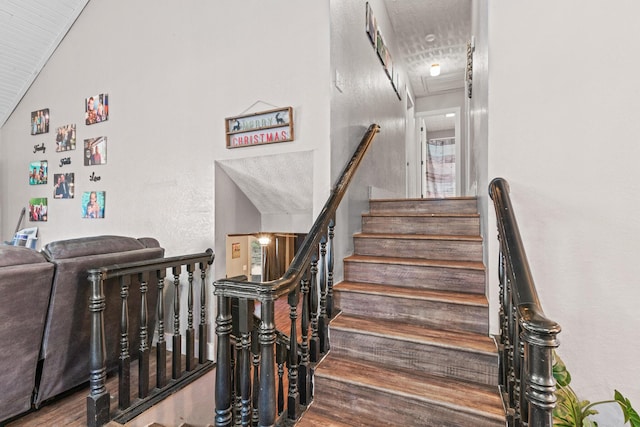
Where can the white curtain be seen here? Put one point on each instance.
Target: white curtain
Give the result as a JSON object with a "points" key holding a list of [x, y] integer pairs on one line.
{"points": [[441, 167]]}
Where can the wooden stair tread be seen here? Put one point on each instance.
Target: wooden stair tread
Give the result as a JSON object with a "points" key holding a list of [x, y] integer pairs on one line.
{"points": [[403, 214], [458, 395], [445, 237], [411, 332], [461, 298], [471, 265], [425, 200]]}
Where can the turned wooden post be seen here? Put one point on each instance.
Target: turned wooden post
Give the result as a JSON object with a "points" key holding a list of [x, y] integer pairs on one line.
{"points": [[190, 332], [98, 399], [176, 361], [223, 369], [143, 353], [292, 402], [267, 398], [255, 351], [304, 373], [245, 319], [314, 342], [161, 345], [124, 362], [330, 256], [203, 330], [323, 320]]}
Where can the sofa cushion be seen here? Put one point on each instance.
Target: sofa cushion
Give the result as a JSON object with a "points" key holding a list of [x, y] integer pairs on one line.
{"points": [[87, 246], [19, 255]]}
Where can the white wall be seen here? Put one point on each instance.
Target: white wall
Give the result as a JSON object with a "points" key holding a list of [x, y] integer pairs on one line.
{"points": [[173, 71], [564, 131], [366, 97]]}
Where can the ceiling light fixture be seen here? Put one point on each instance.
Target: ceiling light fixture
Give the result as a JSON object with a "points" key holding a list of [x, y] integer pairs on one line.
{"points": [[434, 70], [430, 38]]}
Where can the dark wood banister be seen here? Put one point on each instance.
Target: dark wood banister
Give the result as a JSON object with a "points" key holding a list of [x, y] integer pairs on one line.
{"points": [[274, 289], [527, 336]]}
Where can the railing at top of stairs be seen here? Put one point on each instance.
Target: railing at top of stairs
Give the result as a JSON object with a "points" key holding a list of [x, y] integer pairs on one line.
{"points": [[309, 275], [527, 337]]}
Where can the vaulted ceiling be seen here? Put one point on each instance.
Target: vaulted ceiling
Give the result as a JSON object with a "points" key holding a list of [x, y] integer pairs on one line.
{"points": [[30, 32], [427, 31]]}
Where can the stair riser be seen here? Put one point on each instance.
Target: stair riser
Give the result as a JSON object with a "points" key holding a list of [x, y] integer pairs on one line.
{"points": [[360, 402], [416, 357], [419, 248], [437, 314], [421, 277], [463, 226], [466, 206]]}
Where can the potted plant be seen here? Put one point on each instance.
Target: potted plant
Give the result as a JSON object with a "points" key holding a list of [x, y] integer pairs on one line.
{"points": [[570, 411]]}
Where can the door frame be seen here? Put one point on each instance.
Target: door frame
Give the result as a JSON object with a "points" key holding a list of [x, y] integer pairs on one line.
{"points": [[461, 164]]}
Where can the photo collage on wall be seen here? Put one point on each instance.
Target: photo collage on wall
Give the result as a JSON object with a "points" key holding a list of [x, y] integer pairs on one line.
{"points": [[382, 50], [65, 183]]}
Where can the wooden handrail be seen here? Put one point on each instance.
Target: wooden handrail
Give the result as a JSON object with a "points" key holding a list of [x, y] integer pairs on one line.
{"points": [[274, 289], [527, 337]]}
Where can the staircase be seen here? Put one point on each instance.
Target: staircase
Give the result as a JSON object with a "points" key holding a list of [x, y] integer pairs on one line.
{"points": [[410, 346]]}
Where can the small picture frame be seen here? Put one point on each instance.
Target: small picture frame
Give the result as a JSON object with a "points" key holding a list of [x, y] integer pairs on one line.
{"points": [[93, 204], [63, 185], [38, 172], [96, 109], [38, 209], [40, 121], [95, 151], [66, 138], [371, 26]]}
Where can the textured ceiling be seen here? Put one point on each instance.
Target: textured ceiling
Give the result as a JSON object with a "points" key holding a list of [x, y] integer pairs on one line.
{"points": [[30, 31], [450, 22]]}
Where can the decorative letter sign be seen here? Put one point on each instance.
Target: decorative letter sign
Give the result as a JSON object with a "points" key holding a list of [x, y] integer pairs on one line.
{"points": [[260, 128]]}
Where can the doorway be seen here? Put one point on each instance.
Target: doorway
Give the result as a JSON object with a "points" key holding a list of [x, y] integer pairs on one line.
{"points": [[441, 158]]}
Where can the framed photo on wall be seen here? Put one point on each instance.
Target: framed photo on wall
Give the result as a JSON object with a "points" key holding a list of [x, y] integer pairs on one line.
{"points": [[66, 138], [38, 172], [93, 203], [63, 187], [40, 121], [38, 209], [95, 151], [96, 109]]}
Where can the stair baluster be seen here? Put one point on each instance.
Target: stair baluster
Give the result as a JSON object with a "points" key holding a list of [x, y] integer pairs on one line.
{"points": [[281, 356], [304, 374], [292, 402], [124, 367], [246, 308], [255, 350], [98, 399], [190, 332], [267, 398], [203, 331], [323, 321], [176, 363], [161, 345], [330, 256], [143, 353], [314, 343]]}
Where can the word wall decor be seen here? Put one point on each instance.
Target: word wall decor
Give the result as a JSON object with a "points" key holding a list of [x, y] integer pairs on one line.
{"points": [[264, 127]]}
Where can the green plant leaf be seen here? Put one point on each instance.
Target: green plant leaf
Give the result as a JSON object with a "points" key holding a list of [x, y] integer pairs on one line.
{"points": [[630, 414], [560, 372]]}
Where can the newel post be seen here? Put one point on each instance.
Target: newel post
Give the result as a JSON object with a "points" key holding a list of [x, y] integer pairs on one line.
{"points": [[98, 399], [223, 368], [540, 385]]}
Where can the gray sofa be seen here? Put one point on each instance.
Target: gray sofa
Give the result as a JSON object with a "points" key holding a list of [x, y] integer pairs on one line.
{"points": [[25, 285], [65, 344], [44, 316]]}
